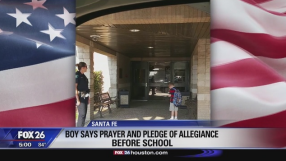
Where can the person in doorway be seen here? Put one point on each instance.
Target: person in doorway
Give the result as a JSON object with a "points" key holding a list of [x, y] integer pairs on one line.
{"points": [[153, 88], [172, 108], [81, 93]]}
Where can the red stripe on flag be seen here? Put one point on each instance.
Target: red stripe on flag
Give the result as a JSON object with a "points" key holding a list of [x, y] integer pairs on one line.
{"points": [[261, 1], [213, 40], [277, 120], [60, 114], [257, 44], [243, 73]]}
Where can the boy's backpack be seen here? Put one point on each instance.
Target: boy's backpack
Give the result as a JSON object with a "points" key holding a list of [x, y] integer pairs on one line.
{"points": [[177, 100]]}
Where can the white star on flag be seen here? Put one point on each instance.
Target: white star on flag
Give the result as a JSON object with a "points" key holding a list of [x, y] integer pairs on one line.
{"points": [[37, 4], [38, 43], [53, 33], [20, 17], [67, 17]]}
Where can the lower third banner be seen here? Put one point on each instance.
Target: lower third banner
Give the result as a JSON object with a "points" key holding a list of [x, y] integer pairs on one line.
{"points": [[156, 137]]}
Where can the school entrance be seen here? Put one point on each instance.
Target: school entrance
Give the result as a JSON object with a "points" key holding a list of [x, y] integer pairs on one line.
{"points": [[146, 48], [150, 79]]}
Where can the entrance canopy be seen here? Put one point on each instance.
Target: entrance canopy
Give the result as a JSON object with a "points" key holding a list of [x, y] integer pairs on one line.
{"points": [[157, 32]]}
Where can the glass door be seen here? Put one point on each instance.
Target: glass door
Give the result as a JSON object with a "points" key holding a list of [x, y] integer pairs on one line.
{"points": [[140, 81]]}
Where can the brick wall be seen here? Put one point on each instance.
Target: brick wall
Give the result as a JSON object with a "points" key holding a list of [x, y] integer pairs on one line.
{"points": [[203, 79]]}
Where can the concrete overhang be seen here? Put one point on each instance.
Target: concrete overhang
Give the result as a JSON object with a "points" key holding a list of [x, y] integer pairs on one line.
{"points": [[89, 9]]}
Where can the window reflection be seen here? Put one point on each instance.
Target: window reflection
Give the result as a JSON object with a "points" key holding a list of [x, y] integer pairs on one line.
{"points": [[180, 72], [179, 76], [159, 72]]}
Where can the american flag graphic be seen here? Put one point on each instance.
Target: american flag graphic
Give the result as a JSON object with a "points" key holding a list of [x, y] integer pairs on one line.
{"points": [[248, 65], [248, 62], [37, 59]]}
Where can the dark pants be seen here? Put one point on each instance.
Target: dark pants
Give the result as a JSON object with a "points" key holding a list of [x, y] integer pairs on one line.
{"points": [[153, 90], [82, 109]]}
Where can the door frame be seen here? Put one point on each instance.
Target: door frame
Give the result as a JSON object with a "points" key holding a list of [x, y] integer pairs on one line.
{"points": [[134, 84]]}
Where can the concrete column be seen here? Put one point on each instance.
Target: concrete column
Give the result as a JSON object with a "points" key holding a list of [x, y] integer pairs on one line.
{"points": [[203, 79], [112, 64], [89, 61], [194, 68]]}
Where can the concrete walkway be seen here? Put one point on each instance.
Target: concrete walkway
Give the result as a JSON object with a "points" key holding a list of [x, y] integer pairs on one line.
{"points": [[143, 110]]}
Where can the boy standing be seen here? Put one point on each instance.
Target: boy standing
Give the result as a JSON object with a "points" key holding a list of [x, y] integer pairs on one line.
{"points": [[173, 108]]}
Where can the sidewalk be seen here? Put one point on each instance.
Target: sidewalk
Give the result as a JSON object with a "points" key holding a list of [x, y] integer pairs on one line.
{"points": [[143, 110]]}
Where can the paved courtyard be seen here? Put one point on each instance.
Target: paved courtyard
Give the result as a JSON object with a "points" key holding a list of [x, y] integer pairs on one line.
{"points": [[144, 110]]}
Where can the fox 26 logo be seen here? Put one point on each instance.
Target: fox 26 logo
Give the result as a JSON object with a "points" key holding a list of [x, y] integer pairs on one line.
{"points": [[121, 152]]}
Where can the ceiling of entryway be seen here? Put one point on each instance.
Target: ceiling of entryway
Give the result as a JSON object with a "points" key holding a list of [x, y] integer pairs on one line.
{"points": [[167, 31]]}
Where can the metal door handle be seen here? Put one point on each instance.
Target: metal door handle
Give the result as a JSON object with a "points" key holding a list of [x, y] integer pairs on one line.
{"points": [[146, 84]]}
